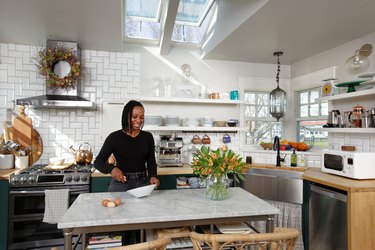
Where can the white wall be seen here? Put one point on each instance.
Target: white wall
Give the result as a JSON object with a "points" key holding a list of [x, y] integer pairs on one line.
{"points": [[335, 57], [215, 75]]}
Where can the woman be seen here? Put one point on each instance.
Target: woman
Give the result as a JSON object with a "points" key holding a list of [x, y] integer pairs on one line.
{"points": [[133, 149]]}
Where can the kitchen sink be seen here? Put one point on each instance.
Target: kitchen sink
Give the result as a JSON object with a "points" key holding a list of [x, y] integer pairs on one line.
{"points": [[274, 184]]}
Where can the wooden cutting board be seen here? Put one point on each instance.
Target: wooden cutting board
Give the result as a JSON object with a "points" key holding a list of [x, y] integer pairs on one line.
{"points": [[58, 167], [22, 129]]}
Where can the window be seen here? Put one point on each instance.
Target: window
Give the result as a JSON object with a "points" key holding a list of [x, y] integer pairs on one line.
{"points": [[193, 17], [142, 19], [259, 123], [312, 114], [192, 21]]}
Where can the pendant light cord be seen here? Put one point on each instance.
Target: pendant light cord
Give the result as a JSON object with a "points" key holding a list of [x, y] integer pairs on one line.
{"points": [[278, 70], [278, 54]]}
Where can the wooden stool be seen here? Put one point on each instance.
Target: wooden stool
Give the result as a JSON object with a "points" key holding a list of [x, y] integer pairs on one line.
{"points": [[175, 232]]}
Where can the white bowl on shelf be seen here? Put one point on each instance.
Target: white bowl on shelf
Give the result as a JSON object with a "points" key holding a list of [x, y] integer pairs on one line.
{"points": [[172, 120], [153, 120], [142, 191]]}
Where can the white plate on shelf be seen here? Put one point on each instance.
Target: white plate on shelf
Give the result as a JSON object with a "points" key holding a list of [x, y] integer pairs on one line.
{"points": [[368, 82], [367, 85], [367, 75]]}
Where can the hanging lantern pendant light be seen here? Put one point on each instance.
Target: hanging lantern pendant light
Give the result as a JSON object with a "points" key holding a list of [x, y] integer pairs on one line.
{"points": [[278, 96]]}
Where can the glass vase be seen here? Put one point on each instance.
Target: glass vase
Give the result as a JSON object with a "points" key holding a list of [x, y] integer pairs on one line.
{"points": [[217, 187]]}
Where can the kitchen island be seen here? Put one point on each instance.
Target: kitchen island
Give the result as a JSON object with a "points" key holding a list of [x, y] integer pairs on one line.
{"points": [[161, 209], [360, 206]]}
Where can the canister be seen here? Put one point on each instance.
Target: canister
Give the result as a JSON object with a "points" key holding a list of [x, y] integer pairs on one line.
{"points": [[357, 116], [6, 161], [371, 118]]}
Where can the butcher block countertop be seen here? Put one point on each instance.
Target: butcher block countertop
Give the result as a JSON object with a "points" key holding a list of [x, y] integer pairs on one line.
{"points": [[268, 166], [186, 169], [4, 173], [339, 182]]}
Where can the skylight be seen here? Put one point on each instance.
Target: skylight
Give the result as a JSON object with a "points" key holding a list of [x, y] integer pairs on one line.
{"points": [[193, 18], [192, 12], [143, 19]]}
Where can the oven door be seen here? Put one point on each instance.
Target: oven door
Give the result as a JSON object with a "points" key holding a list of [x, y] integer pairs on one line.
{"points": [[29, 202], [33, 233], [26, 229]]}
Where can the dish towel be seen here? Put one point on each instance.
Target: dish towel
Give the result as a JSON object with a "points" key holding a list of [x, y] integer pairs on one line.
{"points": [[57, 203], [238, 228]]}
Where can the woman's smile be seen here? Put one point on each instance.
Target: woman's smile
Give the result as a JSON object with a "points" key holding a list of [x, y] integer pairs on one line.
{"points": [[137, 117]]}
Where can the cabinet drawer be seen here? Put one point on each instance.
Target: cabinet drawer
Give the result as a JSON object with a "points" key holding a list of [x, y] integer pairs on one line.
{"points": [[167, 182], [100, 184]]}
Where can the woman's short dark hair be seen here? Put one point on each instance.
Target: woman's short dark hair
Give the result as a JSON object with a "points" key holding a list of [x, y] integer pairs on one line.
{"points": [[127, 114]]}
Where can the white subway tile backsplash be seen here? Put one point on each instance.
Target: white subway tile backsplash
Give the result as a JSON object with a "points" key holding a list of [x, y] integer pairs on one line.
{"points": [[11, 70], [3, 49], [22, 48], [60, 129], [97, 59], [3, 75], [15, 54], [102, 77], [362, 141]]}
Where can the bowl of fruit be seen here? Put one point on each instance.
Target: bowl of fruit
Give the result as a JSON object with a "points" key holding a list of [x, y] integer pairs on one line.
{"points": [[266, 145], [299, 146]]}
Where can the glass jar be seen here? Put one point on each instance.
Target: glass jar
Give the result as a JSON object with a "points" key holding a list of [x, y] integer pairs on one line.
{"points": [[217, 187], [357, 116], [158, 88]]}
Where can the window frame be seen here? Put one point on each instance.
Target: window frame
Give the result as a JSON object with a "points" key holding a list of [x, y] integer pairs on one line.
{"points": [[268, 119], [299, 119]]}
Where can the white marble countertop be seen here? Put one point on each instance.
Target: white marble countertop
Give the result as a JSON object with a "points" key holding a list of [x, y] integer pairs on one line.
{"points": [[162, 206]]}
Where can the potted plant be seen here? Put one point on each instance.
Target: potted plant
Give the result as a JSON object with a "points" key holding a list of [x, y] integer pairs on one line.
{"points": [[214, 166]]}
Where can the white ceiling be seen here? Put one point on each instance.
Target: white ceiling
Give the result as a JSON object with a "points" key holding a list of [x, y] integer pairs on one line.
{"points": [[299, 28]]}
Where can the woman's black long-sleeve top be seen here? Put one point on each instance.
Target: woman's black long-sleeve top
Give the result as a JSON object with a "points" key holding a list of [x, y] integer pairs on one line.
{"points": [[132, 154]]}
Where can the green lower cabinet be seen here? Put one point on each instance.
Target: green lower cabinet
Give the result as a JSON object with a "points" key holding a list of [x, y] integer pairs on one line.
{"points": [[170, 181], [167, 182], [100, 184], [4, 196]]}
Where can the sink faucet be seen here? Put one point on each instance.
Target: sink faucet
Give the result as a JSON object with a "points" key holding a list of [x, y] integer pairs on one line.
{"points": [[276, 146]]}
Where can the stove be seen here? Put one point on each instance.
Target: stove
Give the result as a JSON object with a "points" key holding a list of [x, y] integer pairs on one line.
{"points": [[41, 175], [26, 206]]}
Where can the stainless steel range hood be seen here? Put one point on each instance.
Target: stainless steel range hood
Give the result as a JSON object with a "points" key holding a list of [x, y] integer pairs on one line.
{"points": [[56, 101], [59, 98]]}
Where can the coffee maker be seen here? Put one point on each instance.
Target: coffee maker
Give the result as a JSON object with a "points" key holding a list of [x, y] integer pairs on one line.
{"points": [[170, 151]]}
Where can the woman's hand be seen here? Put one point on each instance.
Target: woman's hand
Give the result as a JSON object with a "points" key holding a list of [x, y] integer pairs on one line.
{"points": [[118, 175], [154, 180]]}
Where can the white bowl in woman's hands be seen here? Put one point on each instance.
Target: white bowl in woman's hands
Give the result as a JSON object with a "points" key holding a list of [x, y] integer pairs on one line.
{"points": [[142, 191]]}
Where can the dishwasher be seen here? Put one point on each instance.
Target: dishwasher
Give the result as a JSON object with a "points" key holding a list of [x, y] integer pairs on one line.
{"points": [[327, 218], [282, 189]]}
